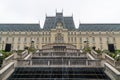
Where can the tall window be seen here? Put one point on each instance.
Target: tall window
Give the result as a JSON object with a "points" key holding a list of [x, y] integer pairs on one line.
{"points": [[113, 39], [49, 39], [59, 38], [86, 38], [75, 39], [37, 40], [18, 47], [43, 39], [18, 39], [100, 40], [25, 39], [80, 40], [107, 39], [93, 39], [68, 39], [0, 39], [71, 39], [7, 39], [13, 39]]}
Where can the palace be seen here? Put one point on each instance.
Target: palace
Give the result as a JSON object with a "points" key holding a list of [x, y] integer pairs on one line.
{"points": [[60, 50], [59, 29]]}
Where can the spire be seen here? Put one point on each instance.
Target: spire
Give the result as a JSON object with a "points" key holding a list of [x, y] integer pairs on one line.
{"points": [[45, 14], [72, 14], [39, 23], [62, 10], [79, 22]]}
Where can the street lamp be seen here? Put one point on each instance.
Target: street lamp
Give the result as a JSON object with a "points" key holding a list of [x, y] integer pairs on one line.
{"points": [[32, 43]]}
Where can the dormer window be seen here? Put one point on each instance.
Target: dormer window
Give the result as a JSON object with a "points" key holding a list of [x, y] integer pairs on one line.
{"points": [[59, 24]]}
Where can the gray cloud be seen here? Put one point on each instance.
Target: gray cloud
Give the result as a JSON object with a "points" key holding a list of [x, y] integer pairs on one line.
{"points": [[85, 11]]}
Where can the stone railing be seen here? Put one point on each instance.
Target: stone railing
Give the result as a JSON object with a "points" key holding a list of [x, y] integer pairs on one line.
{"points": [[8, 59], [112, 61], [5, 70], [56, 62], [23, 54], [113, 73], [66, 54], [96, 55]]}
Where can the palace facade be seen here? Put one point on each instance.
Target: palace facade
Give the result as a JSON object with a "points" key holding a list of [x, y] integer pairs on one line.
{"points": [[59, 29]]}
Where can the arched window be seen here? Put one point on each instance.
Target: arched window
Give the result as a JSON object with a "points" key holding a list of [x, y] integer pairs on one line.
{"points": [[59, 38]]}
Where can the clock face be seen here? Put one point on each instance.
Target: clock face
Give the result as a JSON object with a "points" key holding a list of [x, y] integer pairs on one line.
{"points": [[59, 24]]}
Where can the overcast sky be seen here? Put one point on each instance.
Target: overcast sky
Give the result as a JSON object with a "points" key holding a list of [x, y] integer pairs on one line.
{"points": [[84, 11]]}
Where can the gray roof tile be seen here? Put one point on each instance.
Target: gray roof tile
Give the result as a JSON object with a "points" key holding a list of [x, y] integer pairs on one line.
{"points": [[99, 27], [20, 27], [50, 22]]}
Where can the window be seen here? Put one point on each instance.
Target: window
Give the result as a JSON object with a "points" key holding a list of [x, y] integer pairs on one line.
{"points": [[43, 39], [101, 47], [86, 38], [68, 39], [113, 39], [75, 39], [100, 40], [49, 39], [79, 32], [13, 39], [92, 33], [37, 40], [71, 33], [7, 39], [107, 33], [107, 39], [31, 39], [19, 39], [37, 46], [18, 47], [25, 39], [113, 33], [75, 33], [93, 39], [100, 33], [80, 40], [0, 39], [68, 33], [59, 38], [71, 39]]}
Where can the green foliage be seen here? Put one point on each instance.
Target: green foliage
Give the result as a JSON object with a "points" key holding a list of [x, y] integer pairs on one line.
{"points": [[31, 49], [98, 51], [114, 55], [87, 49], [5, 54]]}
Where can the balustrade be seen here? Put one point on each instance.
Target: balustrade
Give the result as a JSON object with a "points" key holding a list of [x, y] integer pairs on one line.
{"points": [[62, 62]]}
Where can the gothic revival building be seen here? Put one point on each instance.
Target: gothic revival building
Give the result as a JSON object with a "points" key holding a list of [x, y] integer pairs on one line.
{"points": [[59, 29]]}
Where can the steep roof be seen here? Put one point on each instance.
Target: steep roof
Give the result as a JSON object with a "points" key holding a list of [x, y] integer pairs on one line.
{"points": [[50, 22], [19, 27], [99, 27]]}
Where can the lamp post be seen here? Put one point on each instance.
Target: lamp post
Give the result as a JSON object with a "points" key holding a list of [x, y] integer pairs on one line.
{"points": [[86, 46], [32, 43]]}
